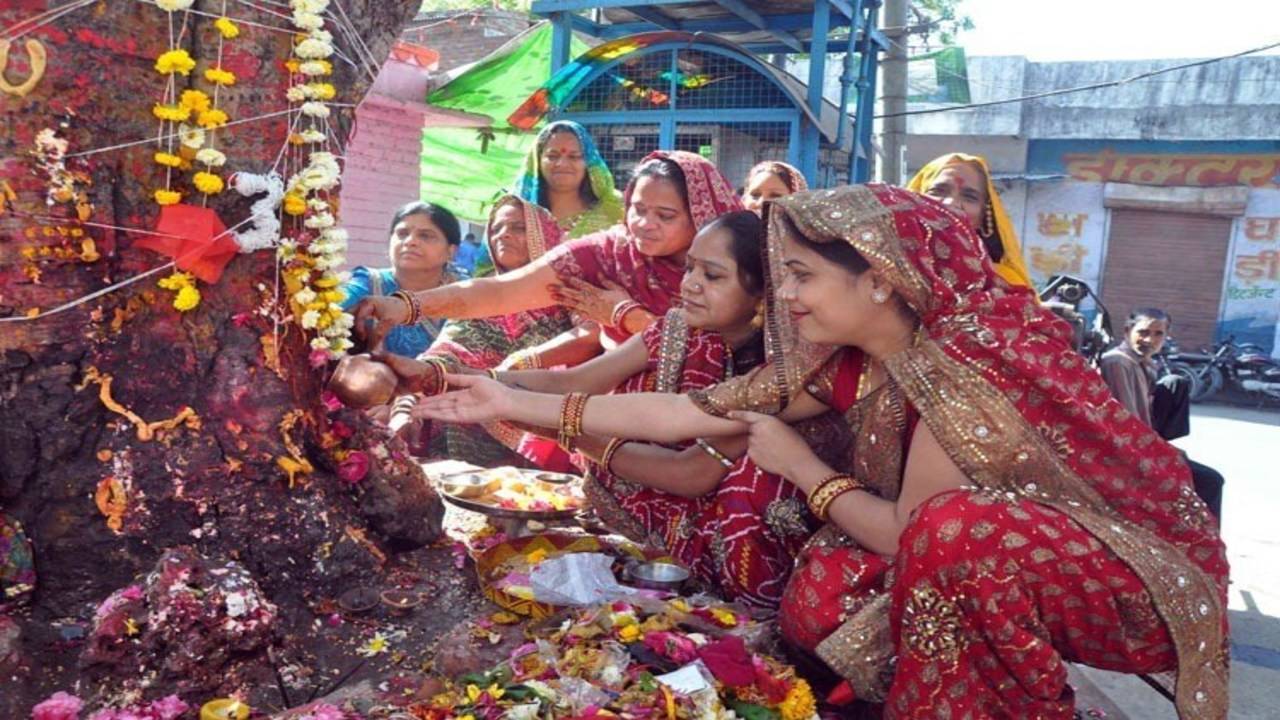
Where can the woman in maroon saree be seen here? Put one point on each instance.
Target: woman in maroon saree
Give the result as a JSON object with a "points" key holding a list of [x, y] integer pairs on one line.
{"points": [[672, 195], [1022, 518]]}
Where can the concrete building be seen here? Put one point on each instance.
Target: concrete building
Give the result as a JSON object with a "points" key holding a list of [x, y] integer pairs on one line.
{"points": [[381, 165], [1162, 191]]}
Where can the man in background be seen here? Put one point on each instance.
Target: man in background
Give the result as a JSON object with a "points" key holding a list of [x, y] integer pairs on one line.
{"points": [[1130, 370]]}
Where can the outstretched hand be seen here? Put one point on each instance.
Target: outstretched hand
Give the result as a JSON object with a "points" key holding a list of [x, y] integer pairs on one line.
{"points": [[376, 316], [772, 444], [593, 302], [471, 399]]}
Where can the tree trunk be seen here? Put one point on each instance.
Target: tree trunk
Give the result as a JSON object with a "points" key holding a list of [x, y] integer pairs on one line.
{"points": [[216, 484]]}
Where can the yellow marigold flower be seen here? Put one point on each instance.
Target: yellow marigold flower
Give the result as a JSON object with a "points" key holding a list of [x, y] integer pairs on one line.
{"points": [[724, 616], [168, 197], [322, 91], [175, 61], [292, 65], [629, 633], [208, 183], [186, 299], [176, 281], [799, 703], [167, 159], [218, 76], [212, 119], [194, 100], [294, 204], [326, 281], [228, 29], [172, 113]]}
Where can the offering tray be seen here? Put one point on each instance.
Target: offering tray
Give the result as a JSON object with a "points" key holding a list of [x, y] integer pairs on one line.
{"points": [[499, 492]]}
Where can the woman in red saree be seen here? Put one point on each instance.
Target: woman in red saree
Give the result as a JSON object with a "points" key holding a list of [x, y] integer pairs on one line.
{"points": [[1023, 518], [672, 195], [737, 528]]}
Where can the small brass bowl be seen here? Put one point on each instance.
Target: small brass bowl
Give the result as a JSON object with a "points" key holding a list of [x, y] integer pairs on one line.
{"points": [[657, 576]]}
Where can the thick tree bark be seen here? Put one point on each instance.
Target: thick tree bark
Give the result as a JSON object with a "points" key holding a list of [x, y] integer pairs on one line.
{"points": [[214, 485]]}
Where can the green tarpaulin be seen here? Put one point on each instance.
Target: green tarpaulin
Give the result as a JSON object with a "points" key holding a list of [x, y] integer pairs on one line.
{"points": [[938, 77], [464, 169]]}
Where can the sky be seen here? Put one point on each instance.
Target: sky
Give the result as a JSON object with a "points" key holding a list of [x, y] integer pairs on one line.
{"points": [[1049, 30]]}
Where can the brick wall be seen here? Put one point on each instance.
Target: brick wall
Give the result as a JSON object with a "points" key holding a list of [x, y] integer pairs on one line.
{"points": [[462, 39], [380, 174]]}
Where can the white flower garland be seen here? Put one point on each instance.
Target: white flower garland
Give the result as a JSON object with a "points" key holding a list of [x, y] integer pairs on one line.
{"points": [[313, 266]]}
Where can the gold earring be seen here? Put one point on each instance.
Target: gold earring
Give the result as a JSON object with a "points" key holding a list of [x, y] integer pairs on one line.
{"points": [[757, 320], [989, 224], [879, 296], [39, 58]]}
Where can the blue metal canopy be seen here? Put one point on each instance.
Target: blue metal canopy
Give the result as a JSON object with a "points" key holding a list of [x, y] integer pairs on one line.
{"points": [[760, 27]]}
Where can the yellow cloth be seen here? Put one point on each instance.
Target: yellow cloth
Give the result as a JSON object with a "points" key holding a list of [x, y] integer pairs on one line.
{"points": [[1012, 267]]}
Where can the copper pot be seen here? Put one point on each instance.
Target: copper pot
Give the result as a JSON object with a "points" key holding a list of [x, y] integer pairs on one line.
{"points": [[361, 382]]}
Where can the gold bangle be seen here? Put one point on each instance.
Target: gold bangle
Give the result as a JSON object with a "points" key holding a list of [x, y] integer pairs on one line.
{"points": [[415, 308], [828, 490], [620, 310], [442, 367], [571, 412], [493, 374], [711, 450], [606, 458]]}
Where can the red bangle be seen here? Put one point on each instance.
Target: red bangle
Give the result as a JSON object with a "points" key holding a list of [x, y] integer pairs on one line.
{"points": [[620, 311]]}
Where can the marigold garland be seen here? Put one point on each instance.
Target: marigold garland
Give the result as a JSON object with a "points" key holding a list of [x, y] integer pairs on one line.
{"points": [[220, 76], [229, 29], [167, 159], [168, 197], [211, 157], [195, 100], [175, 61], [171, 113], [208, 183], [211, 119]]}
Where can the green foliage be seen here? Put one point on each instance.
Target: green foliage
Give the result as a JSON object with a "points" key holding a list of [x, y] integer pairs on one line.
{"points": [[942, 19]]}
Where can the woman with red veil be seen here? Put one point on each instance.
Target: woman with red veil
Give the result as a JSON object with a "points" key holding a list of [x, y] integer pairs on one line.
{"points": [[1004, 515]]}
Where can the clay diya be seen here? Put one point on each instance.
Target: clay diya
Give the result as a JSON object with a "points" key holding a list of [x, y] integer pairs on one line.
{"points": [[358, 600], [361, 382], [224, 709], [401, 602]]}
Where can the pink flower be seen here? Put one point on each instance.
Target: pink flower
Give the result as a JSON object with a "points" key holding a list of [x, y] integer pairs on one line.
{"points": [[330, 401], [335, 620], [355, 467], [340, 430], [241, 319], [59, 706], [318, 358], [325, 711], [168, 708]]}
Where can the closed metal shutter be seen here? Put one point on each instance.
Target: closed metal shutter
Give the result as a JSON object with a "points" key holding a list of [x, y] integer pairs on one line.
{"points": [[1168, 260]]}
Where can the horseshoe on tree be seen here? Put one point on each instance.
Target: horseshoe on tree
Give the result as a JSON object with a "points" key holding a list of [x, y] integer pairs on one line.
{"points": [[38, 59]]}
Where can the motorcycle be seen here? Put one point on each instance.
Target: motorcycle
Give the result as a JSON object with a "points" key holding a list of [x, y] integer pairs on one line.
{"points": [[1064, 294], [1245, 366]]}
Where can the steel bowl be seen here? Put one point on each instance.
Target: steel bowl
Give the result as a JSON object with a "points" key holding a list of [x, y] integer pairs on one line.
{"points": [[470, 485], [657, 576]]}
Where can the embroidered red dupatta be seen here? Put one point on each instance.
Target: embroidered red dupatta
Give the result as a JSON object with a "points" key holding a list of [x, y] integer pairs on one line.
{"points": [[654, 282]]}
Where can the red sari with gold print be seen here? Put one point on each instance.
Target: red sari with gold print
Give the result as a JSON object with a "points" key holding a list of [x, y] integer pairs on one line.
{"points": [[741, 539], [1079, 538]]}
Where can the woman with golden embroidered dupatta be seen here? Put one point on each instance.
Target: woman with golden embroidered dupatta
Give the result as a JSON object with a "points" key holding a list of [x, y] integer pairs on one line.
{"points": [[672, 195], [1028, 521], [737, 528], [963, 183]]}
